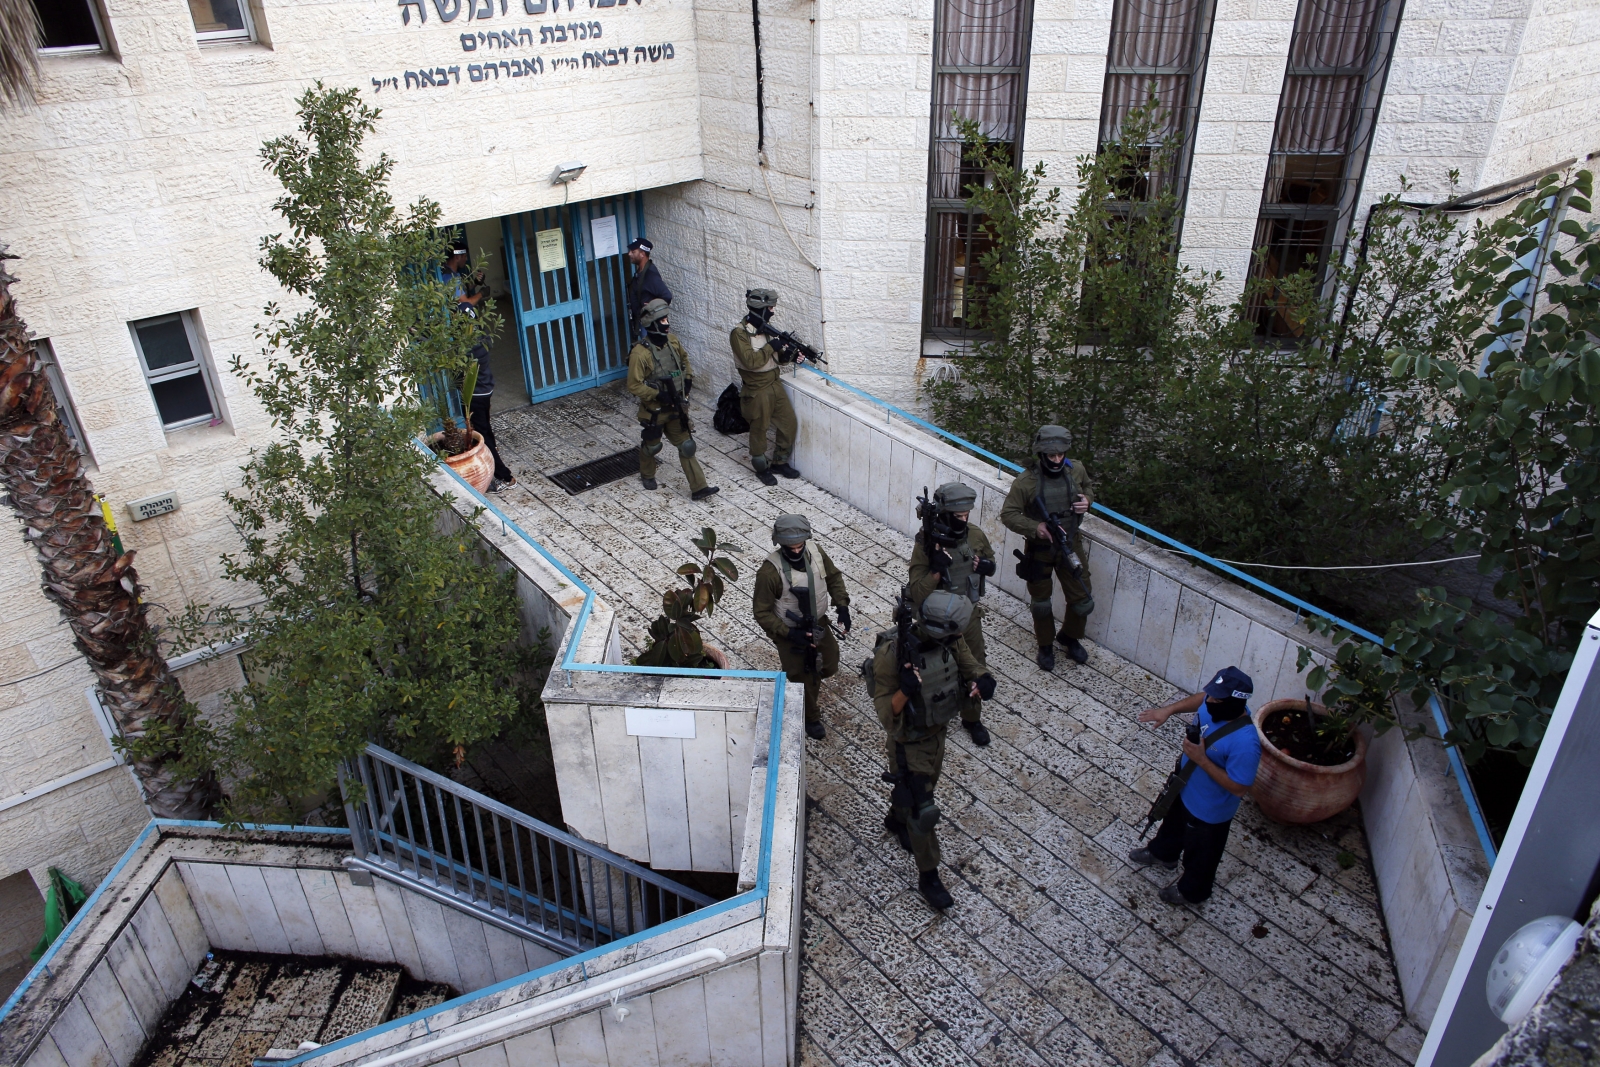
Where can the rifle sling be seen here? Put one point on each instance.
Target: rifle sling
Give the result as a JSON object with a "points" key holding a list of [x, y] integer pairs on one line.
{"points": [[1183, 774]]}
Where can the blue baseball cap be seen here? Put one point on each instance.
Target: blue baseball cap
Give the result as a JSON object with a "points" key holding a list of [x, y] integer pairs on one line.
{"points": [[1230, 682]]}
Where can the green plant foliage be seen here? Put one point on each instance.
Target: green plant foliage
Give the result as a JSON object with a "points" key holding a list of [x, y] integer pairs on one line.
{"points": [[1518, 420], [674, 638], [373, 621]]}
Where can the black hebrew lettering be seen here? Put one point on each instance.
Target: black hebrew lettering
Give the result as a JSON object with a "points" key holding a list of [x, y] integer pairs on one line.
{"points": [[561, 34], [639, 53], [484, 12], [475, 71], [604, 3], [469, 43], [447, 9], [455, 73], [525, 33], [655, 53], [405, 12], [667, 51], [533, 8], [411, 77]]}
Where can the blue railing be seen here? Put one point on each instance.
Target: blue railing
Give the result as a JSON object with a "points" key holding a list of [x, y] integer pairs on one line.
{"points": [[1474, 810]]}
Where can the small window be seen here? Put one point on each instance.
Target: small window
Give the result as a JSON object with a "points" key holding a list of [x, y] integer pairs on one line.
{"points": [[221, 20], [169, 350], [69, 26], [58, 386]]}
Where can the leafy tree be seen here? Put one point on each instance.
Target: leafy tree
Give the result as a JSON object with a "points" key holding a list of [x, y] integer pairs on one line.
{"points": [[374, 620], [1519, 422]]}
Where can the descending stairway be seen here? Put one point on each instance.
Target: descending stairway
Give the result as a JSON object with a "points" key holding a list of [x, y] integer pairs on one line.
{"points": [[243, 1007]]}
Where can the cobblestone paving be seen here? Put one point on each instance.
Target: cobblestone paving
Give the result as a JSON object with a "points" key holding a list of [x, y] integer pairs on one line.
{"points": [[1057, 951]]}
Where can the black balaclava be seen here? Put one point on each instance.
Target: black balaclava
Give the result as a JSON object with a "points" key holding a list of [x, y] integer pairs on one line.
{"points": [[958, 527], [1049, 468], [761, 316], [657, 332], [1225, 709], [794, 554]]}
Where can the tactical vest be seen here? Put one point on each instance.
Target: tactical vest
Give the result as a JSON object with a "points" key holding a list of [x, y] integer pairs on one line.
{"points": [[758, 343], [797, 579], [665, 363], [1059, 493], [964, 580], [941, 686]]}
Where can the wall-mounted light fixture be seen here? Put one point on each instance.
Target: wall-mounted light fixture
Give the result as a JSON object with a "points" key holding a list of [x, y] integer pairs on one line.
{"points": [[568, 172]]}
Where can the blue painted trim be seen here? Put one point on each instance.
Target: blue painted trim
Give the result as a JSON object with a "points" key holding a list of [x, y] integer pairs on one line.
{"points": [[1467, 793], [550, 312], [88, 905]]}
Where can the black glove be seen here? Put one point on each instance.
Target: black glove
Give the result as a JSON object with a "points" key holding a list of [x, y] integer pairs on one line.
{"points": [[939, 560], [688, 386], [843, 613], [910, 684], [799, 637], [985, 684], [985, 567]]}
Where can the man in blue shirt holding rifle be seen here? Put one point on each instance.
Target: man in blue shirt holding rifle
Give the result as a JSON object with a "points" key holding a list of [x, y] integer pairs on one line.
{"points": [[1223, 745]]}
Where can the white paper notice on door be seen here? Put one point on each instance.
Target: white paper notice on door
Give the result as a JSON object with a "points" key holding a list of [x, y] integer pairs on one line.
{"points": [[552, 249], [660, 722], [604, 232]]}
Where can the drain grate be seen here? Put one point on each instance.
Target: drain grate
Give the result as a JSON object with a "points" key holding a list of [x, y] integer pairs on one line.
{"points": [[598, 471]]}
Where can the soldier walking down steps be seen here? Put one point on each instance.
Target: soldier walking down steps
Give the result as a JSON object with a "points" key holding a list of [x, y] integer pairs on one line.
{"points": [[795, 588], [762, 400], [660, 376], [959, 560], [1045, 505], [920, 675]]}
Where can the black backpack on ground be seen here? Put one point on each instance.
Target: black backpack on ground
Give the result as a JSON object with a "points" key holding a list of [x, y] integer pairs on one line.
{"points": [[729, 419]]}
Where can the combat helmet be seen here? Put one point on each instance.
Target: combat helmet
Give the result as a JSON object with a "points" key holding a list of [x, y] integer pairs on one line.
{"points": [[1051, 439], [758, 299], [790, 530], [952, 498], [654, 312], [945, 615]]}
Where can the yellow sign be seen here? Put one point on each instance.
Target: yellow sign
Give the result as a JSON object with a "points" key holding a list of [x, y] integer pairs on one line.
{"points": [[552, 249]]}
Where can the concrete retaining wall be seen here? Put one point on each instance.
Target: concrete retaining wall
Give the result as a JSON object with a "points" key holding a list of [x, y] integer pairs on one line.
{"points": [[1182, 623]]}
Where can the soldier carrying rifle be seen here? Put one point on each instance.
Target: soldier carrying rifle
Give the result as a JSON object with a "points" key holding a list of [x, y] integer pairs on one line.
{"points": [[796, 586], [1045, 505], [759, 350], [660, 376]]}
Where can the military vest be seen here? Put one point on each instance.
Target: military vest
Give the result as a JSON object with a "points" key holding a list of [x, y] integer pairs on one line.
{"points": [[758, 343], [802, 580], [941, 685], [664, 363], [1059, 494], [964, 580]]}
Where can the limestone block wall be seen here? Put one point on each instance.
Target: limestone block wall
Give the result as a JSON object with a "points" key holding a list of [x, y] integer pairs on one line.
{"points": [[1552, 104]]}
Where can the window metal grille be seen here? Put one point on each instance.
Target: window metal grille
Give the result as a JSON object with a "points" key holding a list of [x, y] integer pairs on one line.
{"points": [[979, 74], [169, 350], [1158, 48], [69, 26], [1338, 61]]}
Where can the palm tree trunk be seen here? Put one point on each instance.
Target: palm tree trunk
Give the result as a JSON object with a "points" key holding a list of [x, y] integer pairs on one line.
{"points": [[96, 590]]}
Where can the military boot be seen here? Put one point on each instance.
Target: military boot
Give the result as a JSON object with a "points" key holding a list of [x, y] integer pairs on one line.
{"points": [[1046, 659], [933, 890], [978, 732], [786, 469], [898, 829]]}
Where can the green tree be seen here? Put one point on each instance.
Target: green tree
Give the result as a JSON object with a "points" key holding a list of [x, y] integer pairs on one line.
{"points": [[374, 621], [1518, 420]]}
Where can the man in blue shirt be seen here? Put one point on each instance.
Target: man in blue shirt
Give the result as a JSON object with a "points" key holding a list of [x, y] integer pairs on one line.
{"points": [[1222, 768]]}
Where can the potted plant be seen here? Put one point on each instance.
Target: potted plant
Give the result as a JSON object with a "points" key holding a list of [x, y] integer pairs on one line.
{"points": [[675, 640], [1314, 755], [462, 447]]}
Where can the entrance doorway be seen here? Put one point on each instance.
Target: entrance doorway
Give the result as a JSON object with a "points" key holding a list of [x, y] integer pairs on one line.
{"points": [[568, 275]]}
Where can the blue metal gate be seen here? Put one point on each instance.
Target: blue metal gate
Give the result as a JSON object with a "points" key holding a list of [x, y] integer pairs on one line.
{"points": [[572, 319]]}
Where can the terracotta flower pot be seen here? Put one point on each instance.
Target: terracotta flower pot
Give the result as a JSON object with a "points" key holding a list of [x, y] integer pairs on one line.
{"points": [[475, 465], [719, 657], [1290, 791]]}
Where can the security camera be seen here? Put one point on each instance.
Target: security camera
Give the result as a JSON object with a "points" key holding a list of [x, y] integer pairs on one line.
{"points": [[568, 172], [1527, 963]]}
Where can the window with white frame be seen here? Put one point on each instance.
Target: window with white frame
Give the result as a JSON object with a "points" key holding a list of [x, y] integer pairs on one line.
{"points": [[175, 368], [221, 20], [67, 413], [70, 26]]}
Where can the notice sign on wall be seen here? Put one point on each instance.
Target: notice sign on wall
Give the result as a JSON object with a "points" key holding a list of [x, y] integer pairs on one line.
{"points": [[151, 506], [552, 250], [604, 232], [660, 722]]}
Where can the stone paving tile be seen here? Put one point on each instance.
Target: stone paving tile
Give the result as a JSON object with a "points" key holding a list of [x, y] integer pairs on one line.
{"points": [[1057, 950]]}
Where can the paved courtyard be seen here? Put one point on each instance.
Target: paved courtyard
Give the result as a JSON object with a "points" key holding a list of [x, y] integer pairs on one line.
{"points": [[1056, 951]]}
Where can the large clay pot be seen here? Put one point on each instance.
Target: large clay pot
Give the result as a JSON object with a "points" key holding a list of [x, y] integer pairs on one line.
{"points": [[719, 657], [1290, 791], [475, 465]]}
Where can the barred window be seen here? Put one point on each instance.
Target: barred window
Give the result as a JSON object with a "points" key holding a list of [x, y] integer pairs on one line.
{"points": [[1158, 49], [979, 54], [1338, 60]]}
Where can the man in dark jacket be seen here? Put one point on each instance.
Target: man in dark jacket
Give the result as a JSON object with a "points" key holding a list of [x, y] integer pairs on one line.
{"points": [[646, 284]]}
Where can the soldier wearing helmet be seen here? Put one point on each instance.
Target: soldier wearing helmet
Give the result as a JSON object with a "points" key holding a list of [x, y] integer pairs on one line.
{"points": [[796, 586], [959, 560], [762, 400], [1053, 486], [916, 691], [659, 372]]}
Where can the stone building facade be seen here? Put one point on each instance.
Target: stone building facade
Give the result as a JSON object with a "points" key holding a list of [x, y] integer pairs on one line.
{"points": [[135, 198]]}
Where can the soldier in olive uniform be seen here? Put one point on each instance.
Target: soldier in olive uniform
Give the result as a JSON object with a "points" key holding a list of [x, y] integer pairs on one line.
{"points": [[762, 400], [1058, 486], [916, 692], [795, 587], [659, 364], [960, 560]]}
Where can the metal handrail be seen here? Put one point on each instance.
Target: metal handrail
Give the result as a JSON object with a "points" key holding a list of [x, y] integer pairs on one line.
{"points": [[417, 827]]}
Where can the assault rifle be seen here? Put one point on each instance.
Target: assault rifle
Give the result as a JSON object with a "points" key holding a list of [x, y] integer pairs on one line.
{"points": [[1178, 780], [806, 620], [787, 347], [667, 392], [906, 646], [1061, 535], [936, 535]]}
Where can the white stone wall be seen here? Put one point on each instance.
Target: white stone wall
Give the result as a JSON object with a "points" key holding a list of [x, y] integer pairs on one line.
{"points": [[1552, 107], [135, 189]]}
